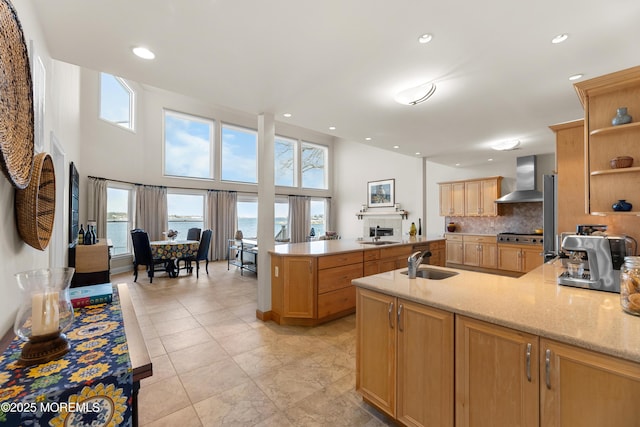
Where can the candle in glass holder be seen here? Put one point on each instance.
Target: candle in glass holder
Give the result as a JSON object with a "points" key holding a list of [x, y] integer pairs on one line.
{"points": [[45, 314]]}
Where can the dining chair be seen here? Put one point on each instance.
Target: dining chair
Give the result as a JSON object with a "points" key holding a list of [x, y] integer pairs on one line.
{"points": [[142, 254], [202, 255], [193, 234]]}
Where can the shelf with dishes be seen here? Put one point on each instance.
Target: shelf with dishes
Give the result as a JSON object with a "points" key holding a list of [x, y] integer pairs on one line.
{"points": [[616, 129]]}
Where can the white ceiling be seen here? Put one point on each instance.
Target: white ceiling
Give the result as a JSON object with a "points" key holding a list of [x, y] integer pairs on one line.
{"points": [[340, 62]]}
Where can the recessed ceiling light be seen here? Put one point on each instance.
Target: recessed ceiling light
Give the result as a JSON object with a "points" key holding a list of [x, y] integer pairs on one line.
{"points": [[417, 153], [576, 77], [559, 38], [367, 139], [425, 38], [396, 146], [287, 114], [143, 53], [332, 128], [457, 164], [490, 160]]}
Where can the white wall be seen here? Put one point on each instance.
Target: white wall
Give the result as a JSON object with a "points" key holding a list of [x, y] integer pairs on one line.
{"points": [[61, 117], [355, 165]]}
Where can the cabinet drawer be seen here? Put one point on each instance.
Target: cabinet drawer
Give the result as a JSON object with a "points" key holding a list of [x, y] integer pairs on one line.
{"points": [[454, 238], [336, 301], [371, 255], [479, 239], [338, 260], [395, 252], [338, 277]]}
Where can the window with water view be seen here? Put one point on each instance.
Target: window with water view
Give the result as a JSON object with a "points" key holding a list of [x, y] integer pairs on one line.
{"points": [[185, 211]]}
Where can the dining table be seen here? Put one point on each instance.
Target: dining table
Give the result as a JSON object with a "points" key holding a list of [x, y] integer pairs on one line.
{"points": [[173, 250]]}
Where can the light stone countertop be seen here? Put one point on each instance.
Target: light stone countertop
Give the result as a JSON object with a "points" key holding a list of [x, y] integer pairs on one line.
{"points": [[533, 303], [329, 247]]}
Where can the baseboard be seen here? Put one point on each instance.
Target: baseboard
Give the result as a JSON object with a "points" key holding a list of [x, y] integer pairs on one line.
{"points": [[265, 316]]}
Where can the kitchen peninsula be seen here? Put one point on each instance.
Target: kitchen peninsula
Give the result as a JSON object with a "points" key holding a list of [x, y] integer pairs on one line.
{"points": [[311, 282], [476, 347]]}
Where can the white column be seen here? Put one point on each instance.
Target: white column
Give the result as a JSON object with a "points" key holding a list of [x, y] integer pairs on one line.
{"points": [[266, 203]]}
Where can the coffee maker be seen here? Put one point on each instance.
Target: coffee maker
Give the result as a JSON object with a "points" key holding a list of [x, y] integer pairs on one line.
{"points": [[594, 261]]}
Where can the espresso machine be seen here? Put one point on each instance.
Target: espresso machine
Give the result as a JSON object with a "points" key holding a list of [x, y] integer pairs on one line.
{"points": [[594, 261]]}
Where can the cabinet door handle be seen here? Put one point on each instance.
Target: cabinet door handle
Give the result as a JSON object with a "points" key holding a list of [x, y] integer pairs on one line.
{"points": [[390, 317], [528, 353], [310, 269], [400, 328], [547, 368]]}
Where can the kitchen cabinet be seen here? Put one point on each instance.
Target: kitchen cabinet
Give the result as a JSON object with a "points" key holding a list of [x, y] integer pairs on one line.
{"points": [[480, 251], [437, 249], [454, 249], [519, 258], [404, 354], [480, 196], [584, 388], [601, 97], [452, 199], [297, 275], [496, 372]]}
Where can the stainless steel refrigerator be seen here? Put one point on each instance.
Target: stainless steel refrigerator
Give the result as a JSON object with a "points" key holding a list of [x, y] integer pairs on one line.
{"points": [[550, 216]]}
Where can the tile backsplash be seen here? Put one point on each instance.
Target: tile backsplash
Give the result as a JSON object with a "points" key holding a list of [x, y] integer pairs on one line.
{"points": [[512, 218]]}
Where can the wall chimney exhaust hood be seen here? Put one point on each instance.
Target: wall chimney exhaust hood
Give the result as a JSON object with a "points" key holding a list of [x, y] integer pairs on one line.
{"points": [[525, 183]]}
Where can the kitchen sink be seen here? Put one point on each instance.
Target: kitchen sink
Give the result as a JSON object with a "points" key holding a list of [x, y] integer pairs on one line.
{"points": [[433, 274], [379, 242]]}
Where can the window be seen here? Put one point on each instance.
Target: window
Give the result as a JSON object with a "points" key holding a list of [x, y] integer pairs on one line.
{"points": [[185, 211], [239, 154], [188, 146], [314, 161], [285, 157], [318, 216], [119, 218], [247, 213], [281, 214], [116, 101]]}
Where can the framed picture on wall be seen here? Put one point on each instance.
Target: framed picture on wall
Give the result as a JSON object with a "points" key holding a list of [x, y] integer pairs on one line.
{"points": [[381, 193]]}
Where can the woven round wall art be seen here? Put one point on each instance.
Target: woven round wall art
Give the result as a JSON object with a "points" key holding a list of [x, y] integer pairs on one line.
{"points": [[16, 100], [36, 205]]}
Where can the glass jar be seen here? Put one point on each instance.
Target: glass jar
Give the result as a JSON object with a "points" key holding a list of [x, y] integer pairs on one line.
{"points": [[630, 285]]}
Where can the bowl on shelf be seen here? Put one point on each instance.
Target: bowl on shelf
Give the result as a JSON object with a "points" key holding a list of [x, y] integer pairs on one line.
{"points": [[621, 162]]}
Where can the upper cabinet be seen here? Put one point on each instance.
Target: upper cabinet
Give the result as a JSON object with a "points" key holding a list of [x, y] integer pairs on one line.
{"points": [[470, 197], [452, 199], [601, 97]]}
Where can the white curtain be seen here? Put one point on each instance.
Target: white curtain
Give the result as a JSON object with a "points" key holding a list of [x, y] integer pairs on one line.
{"points": [[97, 205], [222, 219], [299, 218], [151, 210]]}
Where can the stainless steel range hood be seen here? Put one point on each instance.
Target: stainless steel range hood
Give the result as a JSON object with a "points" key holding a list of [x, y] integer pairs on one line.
{"points": [[525, 183]]}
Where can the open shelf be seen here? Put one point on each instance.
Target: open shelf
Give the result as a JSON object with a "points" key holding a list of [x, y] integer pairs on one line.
{"points": [[615, 129], [615, 171]]}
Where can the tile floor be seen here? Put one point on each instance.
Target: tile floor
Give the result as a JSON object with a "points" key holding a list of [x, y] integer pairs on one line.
{"points": [[215, 364]]}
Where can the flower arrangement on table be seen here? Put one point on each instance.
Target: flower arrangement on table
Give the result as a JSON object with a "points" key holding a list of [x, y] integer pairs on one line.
{"points": [[171, 234]]}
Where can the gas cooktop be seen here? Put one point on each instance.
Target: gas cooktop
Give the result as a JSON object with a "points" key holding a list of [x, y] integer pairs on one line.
{"points": [[520, 238]]}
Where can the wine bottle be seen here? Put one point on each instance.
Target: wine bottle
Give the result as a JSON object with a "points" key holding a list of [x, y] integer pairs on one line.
{"points": [[419, 226], [87, 236], [81, 236], [94, 239]]}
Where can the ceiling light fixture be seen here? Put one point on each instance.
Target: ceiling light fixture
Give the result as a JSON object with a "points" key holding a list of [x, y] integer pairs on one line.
{"points": [[396, 146], [287, 115], [559, 38], [417, 153], [143, 52], [576, 77], [425, 38], [506, 145], [416, 95], [367, 138], [332, 128]]}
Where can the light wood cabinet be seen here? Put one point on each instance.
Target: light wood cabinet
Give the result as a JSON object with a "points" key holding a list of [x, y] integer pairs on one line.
{"points": [[437, 249], [480, 197], [474, 197], [480, 251], [496, 373], [452, 199], [583, 388], [299, 287], [454, 249], [601, 97], [519, 258], [405, 359]]}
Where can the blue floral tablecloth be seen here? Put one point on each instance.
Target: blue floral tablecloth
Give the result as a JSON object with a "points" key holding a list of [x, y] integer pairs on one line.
{"points": [[167, 249], [91, 385]]}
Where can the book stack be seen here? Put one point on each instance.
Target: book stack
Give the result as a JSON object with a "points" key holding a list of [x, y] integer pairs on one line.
{"points": [[90, 295]]}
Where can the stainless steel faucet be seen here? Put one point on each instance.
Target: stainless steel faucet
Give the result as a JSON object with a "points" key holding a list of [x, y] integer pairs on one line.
{"points": [[375, 237], [414, 262]]}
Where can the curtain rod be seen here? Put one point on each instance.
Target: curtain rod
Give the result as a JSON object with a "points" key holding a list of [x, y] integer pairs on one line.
{"points": [[186, 188]]}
